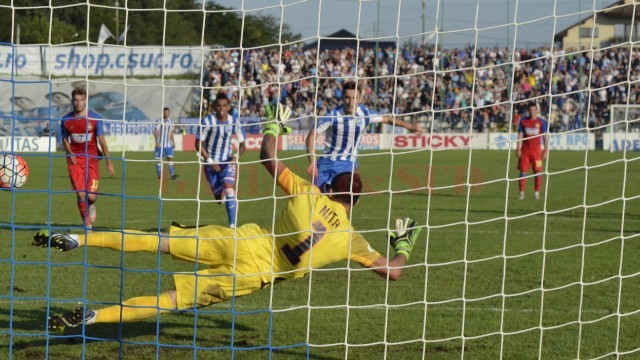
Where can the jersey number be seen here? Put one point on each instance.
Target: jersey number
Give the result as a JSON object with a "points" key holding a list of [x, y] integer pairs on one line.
{"points": [[94, 185], [294, 254]]}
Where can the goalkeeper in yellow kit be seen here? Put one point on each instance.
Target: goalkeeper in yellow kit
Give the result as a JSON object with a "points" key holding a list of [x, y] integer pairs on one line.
{"points": [[312, 231]]}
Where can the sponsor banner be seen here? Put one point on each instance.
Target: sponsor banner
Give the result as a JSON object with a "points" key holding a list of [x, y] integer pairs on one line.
{"points": [[187, 142], [572, 141], [20, 144], [130, 128], [432, 141], [100, 60], [564, 141], [298, 142], [130, 143], [620, 141], [252, 142]]}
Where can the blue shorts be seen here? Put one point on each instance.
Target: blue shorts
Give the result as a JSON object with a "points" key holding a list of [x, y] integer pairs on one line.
{"points": [[163, 152], [328, 169], [217, 180]]}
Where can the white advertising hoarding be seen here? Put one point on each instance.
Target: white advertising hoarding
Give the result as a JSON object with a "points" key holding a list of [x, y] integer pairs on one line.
{"points": [[564, 141], [130, 143], [21, 144], [619, 141], [102, 60]]}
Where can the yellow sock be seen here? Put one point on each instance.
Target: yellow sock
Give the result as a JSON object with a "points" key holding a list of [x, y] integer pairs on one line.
{"points": [[136, 309], [133, 240]]}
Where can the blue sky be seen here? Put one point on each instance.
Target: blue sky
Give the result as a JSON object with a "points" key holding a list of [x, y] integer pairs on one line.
{"points": [[403, 19]]}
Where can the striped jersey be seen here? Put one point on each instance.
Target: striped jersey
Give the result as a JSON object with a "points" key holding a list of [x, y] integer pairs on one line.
{"points": [[343, 134], [216, 136], [165, 129]]}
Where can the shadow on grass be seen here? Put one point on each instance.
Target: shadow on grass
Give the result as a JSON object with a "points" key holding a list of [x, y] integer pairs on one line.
{"points": [[172, 336]]}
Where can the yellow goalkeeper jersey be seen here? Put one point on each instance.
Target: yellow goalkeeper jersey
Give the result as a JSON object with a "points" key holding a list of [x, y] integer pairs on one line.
{"points": [[313, 231]]}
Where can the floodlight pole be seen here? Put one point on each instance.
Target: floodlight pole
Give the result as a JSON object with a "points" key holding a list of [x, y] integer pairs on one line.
{"points": [[117, 19], [424, 17], [375, 61], [578, 123]]}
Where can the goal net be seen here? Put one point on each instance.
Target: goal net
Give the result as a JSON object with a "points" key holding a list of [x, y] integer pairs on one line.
{"points": [[510, 263]]}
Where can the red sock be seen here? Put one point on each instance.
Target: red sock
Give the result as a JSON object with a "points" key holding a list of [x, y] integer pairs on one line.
{"points": [[538, 182], [82, 206], [523, 183]]}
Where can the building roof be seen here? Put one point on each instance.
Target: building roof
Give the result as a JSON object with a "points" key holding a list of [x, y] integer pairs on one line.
{"points": [[618, 10], [345, 39]]}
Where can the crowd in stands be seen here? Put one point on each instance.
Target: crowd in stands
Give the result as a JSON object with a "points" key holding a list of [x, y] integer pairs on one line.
{"points": [[468, 89]]}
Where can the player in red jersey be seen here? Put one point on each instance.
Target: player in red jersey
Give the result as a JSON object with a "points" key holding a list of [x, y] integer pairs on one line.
{"points": [[82, 131], [530, 151]]}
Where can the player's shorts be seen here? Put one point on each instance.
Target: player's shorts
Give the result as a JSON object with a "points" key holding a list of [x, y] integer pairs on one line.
{"points": [[217, 180], [163, 152], [84, 178], [526, 160], [328, 169], [239, 262]]}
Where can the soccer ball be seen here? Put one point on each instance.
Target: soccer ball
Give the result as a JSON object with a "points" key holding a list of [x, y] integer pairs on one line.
{"points": [[13, 171]]}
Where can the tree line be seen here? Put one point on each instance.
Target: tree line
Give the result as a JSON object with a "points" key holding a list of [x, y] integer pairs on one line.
{"points": [[184, 23]]}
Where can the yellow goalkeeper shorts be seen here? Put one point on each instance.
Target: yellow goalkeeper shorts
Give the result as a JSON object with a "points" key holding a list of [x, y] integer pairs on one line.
{"points": [[233, 270]]}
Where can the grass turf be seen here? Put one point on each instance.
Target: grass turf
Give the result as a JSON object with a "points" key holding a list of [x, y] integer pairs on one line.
{"points": [[491, 275]]}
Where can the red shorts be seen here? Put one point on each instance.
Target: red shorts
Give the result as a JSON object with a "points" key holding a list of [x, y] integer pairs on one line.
{"points": [[527, 159], [82, 180]]}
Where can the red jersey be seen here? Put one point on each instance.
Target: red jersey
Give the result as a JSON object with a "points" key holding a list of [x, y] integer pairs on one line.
{"points": [[82, 133], [531, 130]]}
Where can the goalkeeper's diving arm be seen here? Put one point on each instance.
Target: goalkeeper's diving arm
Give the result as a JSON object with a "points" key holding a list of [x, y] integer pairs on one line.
{"points": [[275, 125], [402, 240], [389, 268], [268, 155]]}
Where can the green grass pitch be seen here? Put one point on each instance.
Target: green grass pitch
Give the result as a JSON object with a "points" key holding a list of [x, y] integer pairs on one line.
{"points": [[556, 278]]}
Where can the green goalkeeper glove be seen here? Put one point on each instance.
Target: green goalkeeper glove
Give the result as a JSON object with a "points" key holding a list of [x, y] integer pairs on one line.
{"points": [[276, 120], [405, 236]]}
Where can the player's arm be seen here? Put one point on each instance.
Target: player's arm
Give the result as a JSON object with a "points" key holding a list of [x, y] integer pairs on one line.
{"points": [[67, 149], [273, 128], [389, 268], [402, 240], [310, 142], [545, 140], [519, 144], [156, 136], [268, 156], [520, 140], [66, 144], [391, 120], [200, 150], [241, 148], [105, 153], [240, 138]]}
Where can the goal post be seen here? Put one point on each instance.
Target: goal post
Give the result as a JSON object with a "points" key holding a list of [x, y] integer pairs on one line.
{"points": [[510, 263], [624, 128]]}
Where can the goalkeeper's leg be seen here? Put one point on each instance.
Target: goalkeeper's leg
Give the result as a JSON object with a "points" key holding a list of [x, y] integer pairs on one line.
{"points": [[136, 309], [131, 240]]}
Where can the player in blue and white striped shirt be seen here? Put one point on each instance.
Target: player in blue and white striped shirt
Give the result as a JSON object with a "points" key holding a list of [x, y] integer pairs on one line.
{"points": [[344, 127], [213, 143], [164, 143]]}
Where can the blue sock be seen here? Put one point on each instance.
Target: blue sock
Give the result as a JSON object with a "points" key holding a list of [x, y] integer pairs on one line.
{"points": [[158, 169], [231, 203]]}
